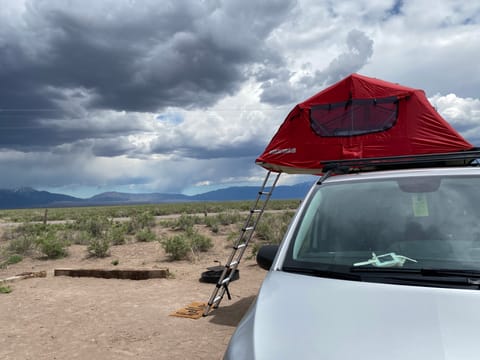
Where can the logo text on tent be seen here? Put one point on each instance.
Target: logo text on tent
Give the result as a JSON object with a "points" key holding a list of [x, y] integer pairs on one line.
{"points": [[283, 151]]}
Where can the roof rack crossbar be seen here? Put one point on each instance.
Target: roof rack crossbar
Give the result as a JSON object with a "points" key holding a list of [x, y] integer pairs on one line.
{"points": [[404, 160]]}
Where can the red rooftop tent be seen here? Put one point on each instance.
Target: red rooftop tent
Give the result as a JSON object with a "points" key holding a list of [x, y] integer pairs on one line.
{"points": [[356, 118], [359, 117]]}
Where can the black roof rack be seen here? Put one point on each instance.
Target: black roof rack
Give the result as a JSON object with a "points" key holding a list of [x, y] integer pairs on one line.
{"points": [[461, 158]]}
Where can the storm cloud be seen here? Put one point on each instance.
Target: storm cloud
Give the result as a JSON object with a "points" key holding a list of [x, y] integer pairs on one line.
{"points": [[147, 96], [65, 62]]}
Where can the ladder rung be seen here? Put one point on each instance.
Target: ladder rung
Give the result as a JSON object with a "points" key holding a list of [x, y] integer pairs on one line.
{"points": [[264, 192], [248, 228], [236, 247], [233, 263], [226, 280], [216, 300], [254, 211]]}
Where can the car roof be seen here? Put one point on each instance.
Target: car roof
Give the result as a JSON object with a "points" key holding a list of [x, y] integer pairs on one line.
{"points": [[393, 174]]}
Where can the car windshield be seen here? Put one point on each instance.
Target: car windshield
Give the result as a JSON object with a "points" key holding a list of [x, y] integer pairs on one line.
{"points": [[408, 223]]}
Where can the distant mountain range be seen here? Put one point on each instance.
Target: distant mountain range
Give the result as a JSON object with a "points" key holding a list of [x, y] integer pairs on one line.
{"points": [[31, 198]]}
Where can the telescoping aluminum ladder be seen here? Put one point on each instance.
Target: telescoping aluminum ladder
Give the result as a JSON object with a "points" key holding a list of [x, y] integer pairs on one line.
{"points": [[241, 244]]}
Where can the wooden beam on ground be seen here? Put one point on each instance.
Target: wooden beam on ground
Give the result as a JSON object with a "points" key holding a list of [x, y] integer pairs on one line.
{"points": [[131, 274], [23, 276]]}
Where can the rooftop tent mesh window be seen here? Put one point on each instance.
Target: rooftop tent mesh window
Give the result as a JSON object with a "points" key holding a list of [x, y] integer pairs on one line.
{"points": [[354, 117]]}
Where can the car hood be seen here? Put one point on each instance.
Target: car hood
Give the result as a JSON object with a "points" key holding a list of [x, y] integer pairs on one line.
{"points": [[304, 317]]}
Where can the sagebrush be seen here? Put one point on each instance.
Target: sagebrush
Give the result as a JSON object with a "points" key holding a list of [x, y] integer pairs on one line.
{"points": [[179, 246]]}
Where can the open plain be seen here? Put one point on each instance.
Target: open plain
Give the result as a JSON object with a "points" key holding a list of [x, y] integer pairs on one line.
{"points": [[60, 317]]}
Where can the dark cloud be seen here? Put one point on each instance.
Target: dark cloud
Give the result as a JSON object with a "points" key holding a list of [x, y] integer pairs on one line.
{"points": [[110, 94], [250, 148], [111, 147], [132, 56], [276, 86]]}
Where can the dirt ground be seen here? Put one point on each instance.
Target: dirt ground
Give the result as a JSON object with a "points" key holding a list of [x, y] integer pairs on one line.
{"points": [[90, 318]]}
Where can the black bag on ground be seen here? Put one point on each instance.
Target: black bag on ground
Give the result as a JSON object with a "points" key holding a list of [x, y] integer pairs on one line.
{"points": [[212, 275]]}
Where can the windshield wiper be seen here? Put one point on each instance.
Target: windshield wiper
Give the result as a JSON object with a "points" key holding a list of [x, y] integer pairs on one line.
{"points": [[423, 277], [471, 274], [323, 273], [384, 270], [447, 278]]}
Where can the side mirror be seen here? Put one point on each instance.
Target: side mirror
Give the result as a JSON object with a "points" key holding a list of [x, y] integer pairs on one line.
{"points": [[265, 256]]}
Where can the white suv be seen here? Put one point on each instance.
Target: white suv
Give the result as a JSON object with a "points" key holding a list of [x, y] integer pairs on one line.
{"points": [[375, 265]]}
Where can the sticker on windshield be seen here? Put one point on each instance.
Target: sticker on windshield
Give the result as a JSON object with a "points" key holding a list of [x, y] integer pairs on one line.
{"points": [[420, 206]]}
